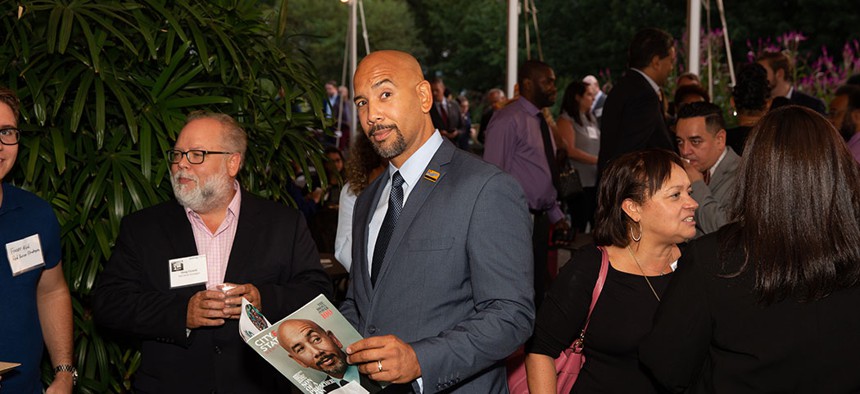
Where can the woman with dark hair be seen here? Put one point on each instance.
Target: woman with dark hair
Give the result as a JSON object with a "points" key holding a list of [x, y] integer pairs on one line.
{"points": [[769, 302], [362, 167], [578, 134], [751, 99], [689, 94], [644, 210]]}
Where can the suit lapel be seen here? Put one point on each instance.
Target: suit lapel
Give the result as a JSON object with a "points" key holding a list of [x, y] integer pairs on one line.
{"points": [[181, 239], [243, 242], [729, 163], [417, 198], [363, 212]]}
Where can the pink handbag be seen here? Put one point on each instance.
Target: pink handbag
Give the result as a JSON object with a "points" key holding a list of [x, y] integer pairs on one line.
{"points": [[570, 361]]}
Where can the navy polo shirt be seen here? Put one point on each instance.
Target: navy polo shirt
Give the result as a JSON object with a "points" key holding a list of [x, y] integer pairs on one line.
{"points": [[23, 214]]}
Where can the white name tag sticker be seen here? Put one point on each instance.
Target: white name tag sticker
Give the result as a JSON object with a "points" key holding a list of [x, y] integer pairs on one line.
{"points": [[25, 254], [187, 271]]}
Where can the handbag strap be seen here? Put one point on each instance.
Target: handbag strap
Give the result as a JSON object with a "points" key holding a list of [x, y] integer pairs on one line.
{"points": [[598, 286]]}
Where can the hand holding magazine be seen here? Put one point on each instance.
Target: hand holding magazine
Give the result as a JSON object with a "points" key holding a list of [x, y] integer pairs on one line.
{"points": [[308, 347]]}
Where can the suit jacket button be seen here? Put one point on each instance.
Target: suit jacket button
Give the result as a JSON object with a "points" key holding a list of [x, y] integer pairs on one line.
{"points": [[371, 329], [217, 350]]}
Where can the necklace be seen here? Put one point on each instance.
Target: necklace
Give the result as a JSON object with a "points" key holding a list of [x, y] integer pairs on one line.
{"points": [[643, 272]]}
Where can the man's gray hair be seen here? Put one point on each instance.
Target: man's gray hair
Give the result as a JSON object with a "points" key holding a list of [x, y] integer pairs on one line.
{"points": [[234, 135]]}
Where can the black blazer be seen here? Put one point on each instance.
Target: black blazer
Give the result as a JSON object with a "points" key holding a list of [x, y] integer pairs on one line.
{"points": [[632, 120], [272, 250], [712, 336], [455, 120], [800, 98]]}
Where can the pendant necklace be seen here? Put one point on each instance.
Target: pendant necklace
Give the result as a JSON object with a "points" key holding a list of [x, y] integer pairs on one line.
{"points": [[643, 272]]}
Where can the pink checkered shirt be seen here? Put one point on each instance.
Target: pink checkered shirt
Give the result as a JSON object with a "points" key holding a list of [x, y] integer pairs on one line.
{"points": [[216, 246]]}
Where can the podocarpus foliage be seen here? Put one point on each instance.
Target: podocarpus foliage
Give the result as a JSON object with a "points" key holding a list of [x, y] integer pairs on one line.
{"points": [[105, 86]]}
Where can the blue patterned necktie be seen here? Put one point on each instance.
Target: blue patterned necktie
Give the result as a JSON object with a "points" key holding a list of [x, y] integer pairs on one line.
{"points": [[395, 205]]}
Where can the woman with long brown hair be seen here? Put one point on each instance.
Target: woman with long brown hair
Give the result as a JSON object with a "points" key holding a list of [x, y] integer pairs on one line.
{"points": [[769, 302]]}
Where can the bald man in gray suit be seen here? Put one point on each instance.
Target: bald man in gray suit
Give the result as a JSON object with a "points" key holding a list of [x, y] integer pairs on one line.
{"points": [[445, 294]]}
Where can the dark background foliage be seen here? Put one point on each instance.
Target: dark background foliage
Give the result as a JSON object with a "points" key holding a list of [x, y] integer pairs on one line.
{"points": [[105, 86], [464, 41]]}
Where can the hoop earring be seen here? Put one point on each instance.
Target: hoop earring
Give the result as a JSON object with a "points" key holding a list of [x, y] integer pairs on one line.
{"points": [[636, 239]]}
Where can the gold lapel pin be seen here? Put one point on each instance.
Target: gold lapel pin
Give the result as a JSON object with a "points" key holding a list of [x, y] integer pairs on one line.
{"points": [[431, 176]]}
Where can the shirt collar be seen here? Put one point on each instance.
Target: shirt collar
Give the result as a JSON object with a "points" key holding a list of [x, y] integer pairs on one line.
{"points": [[527, 106], [650, 81], [414, 166], [720, 160]]}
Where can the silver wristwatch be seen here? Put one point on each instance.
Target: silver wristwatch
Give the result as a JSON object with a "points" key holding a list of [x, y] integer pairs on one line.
{"points": [[67, 368]]}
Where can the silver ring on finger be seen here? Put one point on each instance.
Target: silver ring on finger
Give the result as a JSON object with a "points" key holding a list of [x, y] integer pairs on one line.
{"points": [[378, 365]]}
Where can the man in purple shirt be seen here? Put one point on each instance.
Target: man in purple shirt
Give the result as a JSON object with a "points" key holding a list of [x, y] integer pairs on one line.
{"points": [[519, 142]]}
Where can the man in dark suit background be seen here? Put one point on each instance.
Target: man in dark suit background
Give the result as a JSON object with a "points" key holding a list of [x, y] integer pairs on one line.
{"points": [[633, 114], [338, 110], [780, 76], [446, 115], [441, 281], [253, 248]]}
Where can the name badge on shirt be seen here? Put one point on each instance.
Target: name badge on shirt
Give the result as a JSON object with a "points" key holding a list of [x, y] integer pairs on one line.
{"points": [[187, 271], [25, 254]]}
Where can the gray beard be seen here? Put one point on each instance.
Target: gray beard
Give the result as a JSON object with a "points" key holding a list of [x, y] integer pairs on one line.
{"points": [[204, 197]]}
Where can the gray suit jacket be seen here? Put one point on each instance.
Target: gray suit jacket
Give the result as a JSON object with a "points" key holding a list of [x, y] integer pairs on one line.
{"points": [[456, 281], [715, 199]]}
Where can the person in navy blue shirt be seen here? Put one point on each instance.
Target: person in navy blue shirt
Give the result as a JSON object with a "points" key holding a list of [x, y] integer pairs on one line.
{"points": [[36, 306]]}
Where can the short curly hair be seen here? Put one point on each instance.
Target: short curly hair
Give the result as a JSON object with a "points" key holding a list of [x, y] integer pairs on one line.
{"points": [[751, 91]]}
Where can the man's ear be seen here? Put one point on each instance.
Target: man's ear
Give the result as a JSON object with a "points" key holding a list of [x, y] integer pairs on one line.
{"points": [[721, 137], [655, 62], [234, 163], [779, 75], [425, 95], [631, 208]]}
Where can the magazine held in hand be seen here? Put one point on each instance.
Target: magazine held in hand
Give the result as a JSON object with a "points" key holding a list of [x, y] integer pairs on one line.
{"points": [[308, 347]]}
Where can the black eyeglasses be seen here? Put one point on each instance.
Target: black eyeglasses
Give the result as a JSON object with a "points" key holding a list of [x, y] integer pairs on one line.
{"points": [[194, 156], [10, 136]]}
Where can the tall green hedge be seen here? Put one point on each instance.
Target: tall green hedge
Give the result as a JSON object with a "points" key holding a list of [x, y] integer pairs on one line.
{"points": [[105, 87]]}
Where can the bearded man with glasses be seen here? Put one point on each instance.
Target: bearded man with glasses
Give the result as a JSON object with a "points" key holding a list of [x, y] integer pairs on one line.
{"points": [[231, 244]]}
